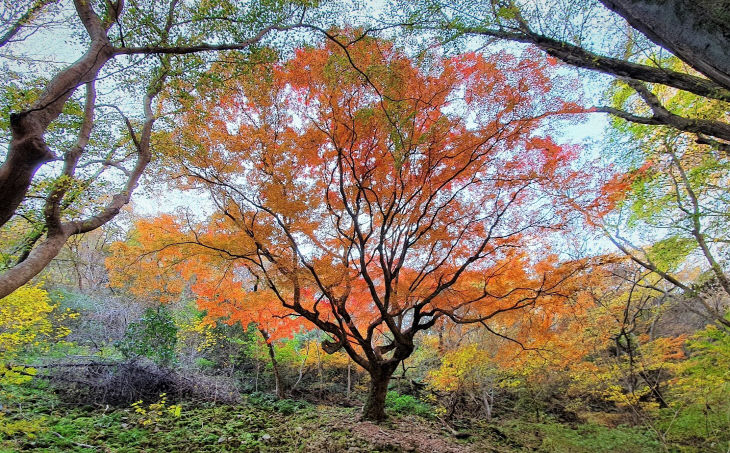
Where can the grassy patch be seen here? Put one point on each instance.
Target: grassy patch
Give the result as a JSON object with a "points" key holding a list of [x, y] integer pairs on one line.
{"points": [[407, 404], [518, 435]]}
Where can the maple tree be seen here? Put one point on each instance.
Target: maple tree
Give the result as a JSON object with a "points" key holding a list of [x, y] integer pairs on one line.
{"points": [[373, 197]]}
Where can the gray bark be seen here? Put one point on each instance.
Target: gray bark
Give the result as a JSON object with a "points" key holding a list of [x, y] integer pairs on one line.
{"points": [[697, 31]]}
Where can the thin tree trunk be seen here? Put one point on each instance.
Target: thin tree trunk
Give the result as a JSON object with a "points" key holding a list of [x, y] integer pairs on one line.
{"points": [[301, 370], [488, 400], [277, 376], [441, 346], [319, 373], [349, 377], [278, 383]]}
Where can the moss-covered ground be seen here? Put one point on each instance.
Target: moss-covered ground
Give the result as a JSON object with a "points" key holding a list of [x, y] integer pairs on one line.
{"points": [[38, 421]]}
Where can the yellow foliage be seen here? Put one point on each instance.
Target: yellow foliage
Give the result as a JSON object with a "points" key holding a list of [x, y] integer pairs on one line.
{"points": [[311, 355], [465, 367], [200, 332], [29, 428], [155, 412], [26, 322], [24, 318]]}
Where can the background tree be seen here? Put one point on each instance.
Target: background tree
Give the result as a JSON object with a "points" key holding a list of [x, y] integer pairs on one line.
{"points": [[136, 48], [585, 35], [673, 214]]}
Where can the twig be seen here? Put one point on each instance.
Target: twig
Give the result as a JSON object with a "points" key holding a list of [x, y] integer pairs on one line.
{"points": [[78, 444], [449, 427]]}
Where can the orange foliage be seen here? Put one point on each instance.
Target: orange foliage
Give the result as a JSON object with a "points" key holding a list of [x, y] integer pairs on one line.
{"points": [[374, 200]]}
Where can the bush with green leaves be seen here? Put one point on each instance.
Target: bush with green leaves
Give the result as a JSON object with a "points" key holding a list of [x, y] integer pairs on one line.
{"points": [[699, 413], [407, 404], [154, 336]]}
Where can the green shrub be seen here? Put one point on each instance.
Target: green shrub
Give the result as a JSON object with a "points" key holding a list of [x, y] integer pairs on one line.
{"points": [[205, 364], [289, 407], [550, 436], [407, 404], [269, 402], [699, 412], [154, 336], [262, 400]]}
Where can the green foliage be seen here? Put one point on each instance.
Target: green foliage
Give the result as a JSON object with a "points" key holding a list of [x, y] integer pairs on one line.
{"points": [[200, 427], [669, 253], [710, 357], [204, 363], [700, 411], [154, 336], [268, 401], [509, 13], [407, 404], [289, 407], [550, 436]]}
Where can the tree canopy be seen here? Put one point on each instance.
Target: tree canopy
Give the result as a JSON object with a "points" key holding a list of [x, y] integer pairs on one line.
{"points": [[372, 197]]}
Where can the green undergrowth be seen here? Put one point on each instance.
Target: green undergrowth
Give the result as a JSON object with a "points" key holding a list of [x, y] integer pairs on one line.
{"points": [[549, 436], [259, 424], [406, 404], [37, 421]]}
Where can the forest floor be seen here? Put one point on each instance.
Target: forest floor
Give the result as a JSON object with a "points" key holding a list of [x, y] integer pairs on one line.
{"points": [[42, 423]]}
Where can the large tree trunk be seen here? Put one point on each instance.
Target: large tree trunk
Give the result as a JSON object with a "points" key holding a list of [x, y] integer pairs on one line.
{"points": [[28, 150], [27, 153], [36, 261], [374, 409], [697, 31]]}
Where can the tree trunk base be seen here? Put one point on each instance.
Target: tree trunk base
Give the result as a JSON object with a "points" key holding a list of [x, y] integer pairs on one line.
{"points": [[374, 409]]}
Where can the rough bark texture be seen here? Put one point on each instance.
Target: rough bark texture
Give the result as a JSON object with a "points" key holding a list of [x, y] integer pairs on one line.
{"points": [[697, 31], [582, 58], [28, 149], [27, 153], [37, 260], [374, 409]]}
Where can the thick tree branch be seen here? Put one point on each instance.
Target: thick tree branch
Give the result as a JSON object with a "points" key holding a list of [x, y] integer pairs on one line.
{"points": [[662, 116], [690, 29], [582, 58], [183, 50]]}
